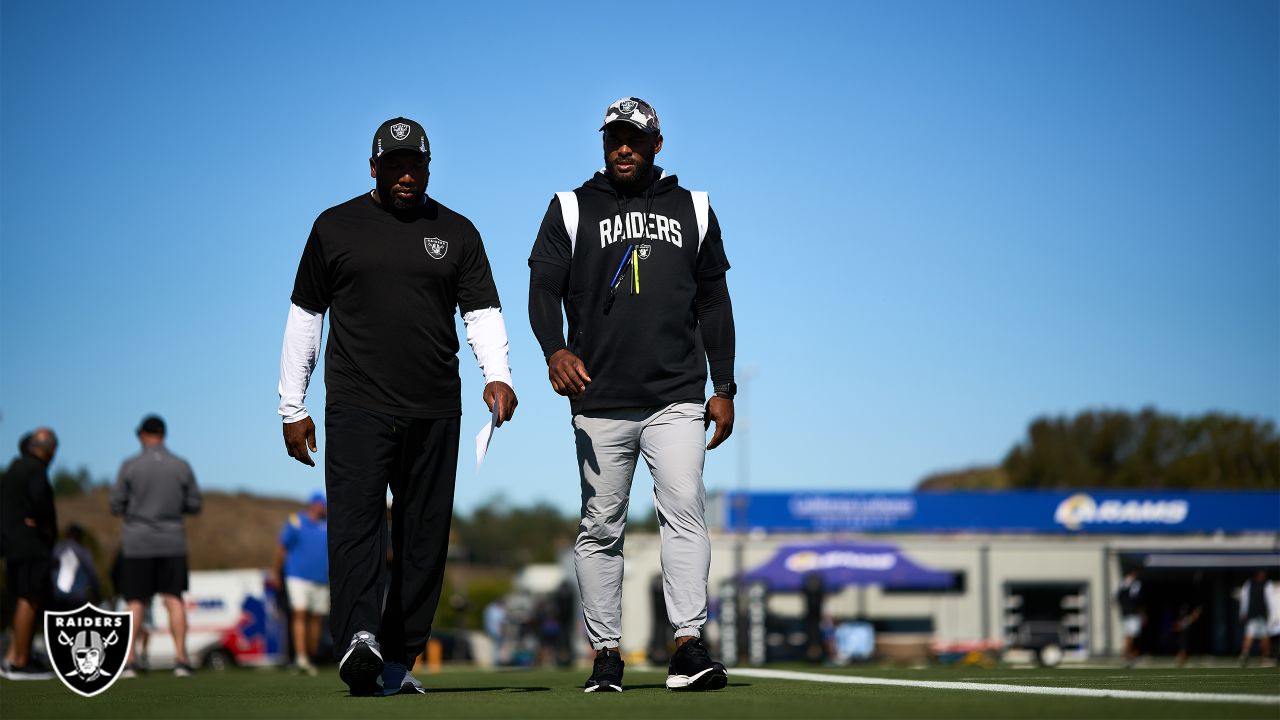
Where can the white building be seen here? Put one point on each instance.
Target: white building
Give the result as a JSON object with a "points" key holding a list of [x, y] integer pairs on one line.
{"points": [[1053, 559]]}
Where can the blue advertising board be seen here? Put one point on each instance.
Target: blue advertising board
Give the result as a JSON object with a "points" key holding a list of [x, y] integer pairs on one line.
{"points": [[1030, 511]]}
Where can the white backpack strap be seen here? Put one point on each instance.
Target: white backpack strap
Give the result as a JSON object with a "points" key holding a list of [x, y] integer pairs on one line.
{"points": [[569, 211], [701, 210]]}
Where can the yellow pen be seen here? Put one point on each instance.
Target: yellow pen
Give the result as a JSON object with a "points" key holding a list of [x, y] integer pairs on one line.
{"points": [[635, 270]]}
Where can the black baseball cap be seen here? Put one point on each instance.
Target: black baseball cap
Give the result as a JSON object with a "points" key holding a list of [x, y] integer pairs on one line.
{"points": [[152, 424], [400, 134]]}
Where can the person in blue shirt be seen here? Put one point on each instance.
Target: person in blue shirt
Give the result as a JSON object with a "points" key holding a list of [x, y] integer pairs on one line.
{"points": [[302, 568]]}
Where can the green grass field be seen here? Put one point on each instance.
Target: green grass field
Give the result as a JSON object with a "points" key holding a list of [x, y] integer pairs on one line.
{"points": [[557, 694]]}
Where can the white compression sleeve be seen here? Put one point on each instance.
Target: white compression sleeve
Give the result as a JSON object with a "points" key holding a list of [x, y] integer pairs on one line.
{"points": [[487, 336], [298, 359]]}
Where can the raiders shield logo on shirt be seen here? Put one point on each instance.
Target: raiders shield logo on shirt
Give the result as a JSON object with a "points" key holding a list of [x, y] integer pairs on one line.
{"points": [[436, 247], [88, 647], [644, 251]]}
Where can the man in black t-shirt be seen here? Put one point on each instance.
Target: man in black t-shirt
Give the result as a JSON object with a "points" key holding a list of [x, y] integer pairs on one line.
{"points": [[390, 267], [639, 265]]}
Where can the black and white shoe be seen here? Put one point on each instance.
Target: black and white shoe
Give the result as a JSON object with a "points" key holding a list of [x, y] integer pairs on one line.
{"points": [[361, 665], [30, 671], [397, 680], [693, 669], [606, 674]]}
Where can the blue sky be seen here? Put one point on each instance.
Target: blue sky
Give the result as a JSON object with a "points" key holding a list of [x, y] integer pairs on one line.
{"points": [[944, 218]]}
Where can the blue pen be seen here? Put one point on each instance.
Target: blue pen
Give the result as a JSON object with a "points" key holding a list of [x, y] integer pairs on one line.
{"points": [[613, 285]]}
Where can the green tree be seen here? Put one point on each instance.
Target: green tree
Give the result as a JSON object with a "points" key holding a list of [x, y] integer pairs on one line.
{"points": [[1110, 449], [67, 483], [501, 535], [1116, 449]]}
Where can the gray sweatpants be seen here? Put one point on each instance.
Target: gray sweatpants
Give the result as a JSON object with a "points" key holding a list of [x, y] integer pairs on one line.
{"points": [[672, 439]]}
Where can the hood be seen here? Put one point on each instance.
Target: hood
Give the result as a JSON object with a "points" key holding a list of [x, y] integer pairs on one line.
{"points": [[664, 184]]}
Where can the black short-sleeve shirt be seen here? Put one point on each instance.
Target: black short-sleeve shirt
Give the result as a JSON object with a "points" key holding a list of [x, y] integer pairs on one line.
{"points": [[390, 285]]}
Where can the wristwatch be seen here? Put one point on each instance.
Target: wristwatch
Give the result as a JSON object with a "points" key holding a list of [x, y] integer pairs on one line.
{"points": [[726, 390]]}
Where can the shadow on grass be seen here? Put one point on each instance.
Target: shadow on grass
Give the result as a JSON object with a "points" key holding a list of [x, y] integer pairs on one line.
{"points": [[437, 691], [533, 688]]}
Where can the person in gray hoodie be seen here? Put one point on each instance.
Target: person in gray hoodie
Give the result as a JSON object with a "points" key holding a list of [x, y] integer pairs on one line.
{"points": [[154, 490]]}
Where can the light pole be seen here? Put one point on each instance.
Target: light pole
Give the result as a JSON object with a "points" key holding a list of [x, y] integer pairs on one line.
{"points": [[742, 428]]}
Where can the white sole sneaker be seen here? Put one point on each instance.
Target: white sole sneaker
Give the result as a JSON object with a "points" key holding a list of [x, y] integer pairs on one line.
{"points": [[713, 678], [361, 669], [604, 688]]}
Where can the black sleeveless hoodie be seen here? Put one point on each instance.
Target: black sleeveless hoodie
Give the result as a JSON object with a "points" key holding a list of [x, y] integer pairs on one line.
{"points": [[632, 275]]}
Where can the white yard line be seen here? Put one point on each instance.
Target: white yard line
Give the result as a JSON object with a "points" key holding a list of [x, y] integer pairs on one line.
{"points": [[1065, 676], [1004, 688]]}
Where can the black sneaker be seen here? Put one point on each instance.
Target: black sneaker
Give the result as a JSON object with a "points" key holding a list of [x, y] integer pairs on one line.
{"points": [[693, 669], [606, 674], [361, 665], [30, 671]]}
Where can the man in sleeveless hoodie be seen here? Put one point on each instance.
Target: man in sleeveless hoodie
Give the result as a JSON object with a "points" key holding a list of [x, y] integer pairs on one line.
{"points": [[638, 264]]}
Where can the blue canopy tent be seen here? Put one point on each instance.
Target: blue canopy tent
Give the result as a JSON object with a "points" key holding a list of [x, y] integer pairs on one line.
{"points": [[841, 564]]}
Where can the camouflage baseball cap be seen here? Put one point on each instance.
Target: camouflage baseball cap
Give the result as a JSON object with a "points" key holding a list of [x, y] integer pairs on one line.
{"points": [[635, 111]]}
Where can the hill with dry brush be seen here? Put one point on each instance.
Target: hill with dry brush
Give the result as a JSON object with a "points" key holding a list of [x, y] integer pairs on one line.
{"points": [[232, 530]]}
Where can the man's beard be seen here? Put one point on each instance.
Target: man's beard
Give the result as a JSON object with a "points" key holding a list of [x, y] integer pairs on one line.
{"points": [[638, 179], [394, 202]]}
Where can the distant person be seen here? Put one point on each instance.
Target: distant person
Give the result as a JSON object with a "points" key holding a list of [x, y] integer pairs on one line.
{"points": [[1187, 616], [28, 527], [1257, 608], [302, 569], [564, 600], [1132, 616], [391, 267], [75, 575], [154, 489], [495, 621], [638, 265]]}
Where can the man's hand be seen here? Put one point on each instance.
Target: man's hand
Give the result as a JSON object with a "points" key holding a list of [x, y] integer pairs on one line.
{"points": [[298, 437], [567, 374], [719, 410], [500, 398]]}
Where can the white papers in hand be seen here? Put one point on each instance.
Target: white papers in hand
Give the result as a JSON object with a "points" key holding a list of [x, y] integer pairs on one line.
{"points": [[485, 436]]}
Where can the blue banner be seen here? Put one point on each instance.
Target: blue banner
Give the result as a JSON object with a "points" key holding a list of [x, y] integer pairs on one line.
{"points": [[1057, 512]]}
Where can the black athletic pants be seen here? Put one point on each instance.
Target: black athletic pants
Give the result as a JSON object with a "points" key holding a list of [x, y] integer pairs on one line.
{"points": [[367, 452]]}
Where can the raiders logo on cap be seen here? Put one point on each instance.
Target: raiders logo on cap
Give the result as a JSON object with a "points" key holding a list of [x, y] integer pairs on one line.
{"points": [[400, 133], [632, 110]]}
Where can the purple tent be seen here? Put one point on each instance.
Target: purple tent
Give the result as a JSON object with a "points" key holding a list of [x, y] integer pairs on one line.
{"points": [[841, 564]]}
